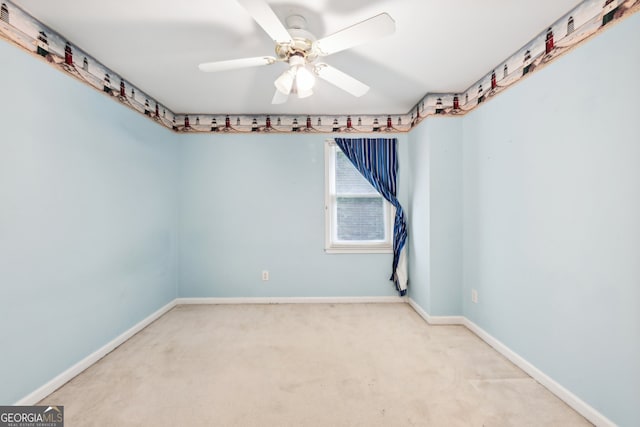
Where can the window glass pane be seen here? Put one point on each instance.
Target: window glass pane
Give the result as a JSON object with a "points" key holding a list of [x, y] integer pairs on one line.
{"points": [[348, 179], [360, 218]]}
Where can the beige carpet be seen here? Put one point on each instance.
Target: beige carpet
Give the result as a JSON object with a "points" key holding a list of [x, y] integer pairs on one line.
{"points": [[306, 365]]}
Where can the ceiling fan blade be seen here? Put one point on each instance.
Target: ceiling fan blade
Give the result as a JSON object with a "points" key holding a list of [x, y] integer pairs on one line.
{"points": [[234, 64], [279, 97], [342, 80], [357, 34], [267, 19]]}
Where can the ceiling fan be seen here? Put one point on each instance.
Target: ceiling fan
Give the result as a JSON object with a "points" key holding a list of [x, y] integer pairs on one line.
{"points": [[300, 49]]}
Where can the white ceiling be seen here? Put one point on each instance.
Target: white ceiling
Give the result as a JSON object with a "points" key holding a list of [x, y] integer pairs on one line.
{"points": [[439, 46]]}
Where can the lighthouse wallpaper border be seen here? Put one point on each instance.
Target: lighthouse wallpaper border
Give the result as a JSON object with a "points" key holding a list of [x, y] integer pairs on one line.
{"points": [[574, 28], [582, 22]]}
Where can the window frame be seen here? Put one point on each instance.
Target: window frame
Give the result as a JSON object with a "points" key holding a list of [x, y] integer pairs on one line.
{"points": [[332, 244]]}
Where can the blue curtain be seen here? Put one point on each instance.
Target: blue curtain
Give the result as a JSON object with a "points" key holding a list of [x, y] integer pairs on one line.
{"points": [[377, 160]]}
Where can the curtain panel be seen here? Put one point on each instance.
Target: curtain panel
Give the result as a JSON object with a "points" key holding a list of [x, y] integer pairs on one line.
{"points": [[377, 160]]}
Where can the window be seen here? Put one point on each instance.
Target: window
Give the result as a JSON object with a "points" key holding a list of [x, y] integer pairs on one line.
{"points": [[358, 218]]}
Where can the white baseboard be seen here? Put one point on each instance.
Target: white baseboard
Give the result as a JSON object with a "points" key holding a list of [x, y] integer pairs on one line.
{"points": [[292, 300], [436, 320], [569, 398], [66, 376], [554, 387]]}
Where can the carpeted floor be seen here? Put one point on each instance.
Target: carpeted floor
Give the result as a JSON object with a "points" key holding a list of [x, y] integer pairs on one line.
{"points": [[306, 365]]}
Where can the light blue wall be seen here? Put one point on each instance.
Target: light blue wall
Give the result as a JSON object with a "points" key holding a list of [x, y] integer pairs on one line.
{"points": [[552, 220], [87, 221], [436, 216], [256, 202], [419, 217]]}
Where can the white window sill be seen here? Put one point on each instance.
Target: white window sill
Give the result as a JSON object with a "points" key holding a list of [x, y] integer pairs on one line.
{"points": [[359, 250]]}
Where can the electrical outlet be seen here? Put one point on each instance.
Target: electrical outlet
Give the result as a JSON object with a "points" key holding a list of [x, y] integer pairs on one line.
{"points": [[265, 275], [474, 296]]}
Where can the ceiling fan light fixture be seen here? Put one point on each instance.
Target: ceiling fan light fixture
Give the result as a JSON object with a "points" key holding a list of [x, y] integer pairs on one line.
{"points": [[297, 60], [305, 80], [304, 93], [284, 83]]}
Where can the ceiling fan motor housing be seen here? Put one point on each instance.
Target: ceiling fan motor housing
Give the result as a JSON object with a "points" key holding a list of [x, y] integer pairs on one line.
{"points": [[303, 41]]}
